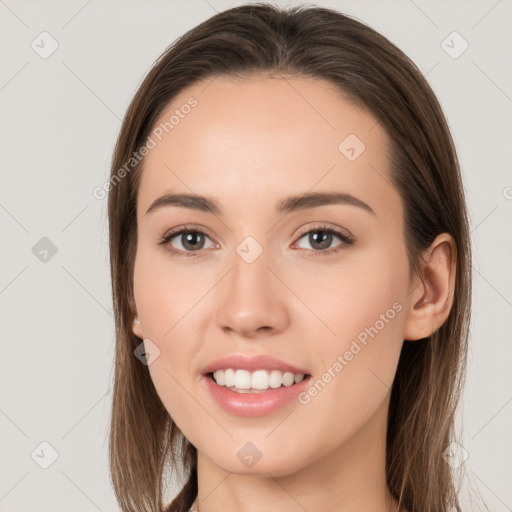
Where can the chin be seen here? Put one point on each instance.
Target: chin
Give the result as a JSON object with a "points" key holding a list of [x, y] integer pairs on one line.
{"points": [[276, 465]]}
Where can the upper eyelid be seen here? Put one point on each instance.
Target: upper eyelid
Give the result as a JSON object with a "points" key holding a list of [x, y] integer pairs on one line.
{"points": [[187, 227], [303, 230], [325, 226]]}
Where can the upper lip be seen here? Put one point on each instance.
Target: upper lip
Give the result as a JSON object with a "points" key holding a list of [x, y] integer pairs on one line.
{"points": [[261, 362]]}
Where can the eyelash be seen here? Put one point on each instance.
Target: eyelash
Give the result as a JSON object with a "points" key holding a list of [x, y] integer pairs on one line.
{"points": [[346, 239]]}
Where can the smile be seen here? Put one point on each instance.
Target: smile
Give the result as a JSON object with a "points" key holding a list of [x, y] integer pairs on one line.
{"points": [[244, 381]]}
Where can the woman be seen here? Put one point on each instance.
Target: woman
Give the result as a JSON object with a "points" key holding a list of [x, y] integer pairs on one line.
{"points": [[290, 264]]}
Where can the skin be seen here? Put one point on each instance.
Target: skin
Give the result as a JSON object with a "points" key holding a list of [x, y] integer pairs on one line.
{"points": [[249, 144]]}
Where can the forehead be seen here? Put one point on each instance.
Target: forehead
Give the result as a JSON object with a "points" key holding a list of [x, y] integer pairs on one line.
{"points": [[261, 138]]}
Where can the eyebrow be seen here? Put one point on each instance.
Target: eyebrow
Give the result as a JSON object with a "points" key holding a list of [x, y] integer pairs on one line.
{"points": [[287, 205]]}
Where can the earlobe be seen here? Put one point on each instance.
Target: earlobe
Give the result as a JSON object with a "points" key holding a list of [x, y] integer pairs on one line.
{"points": [[136, 325], [431, 295], [137, 328]]}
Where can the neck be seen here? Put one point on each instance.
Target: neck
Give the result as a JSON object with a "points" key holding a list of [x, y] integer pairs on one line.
{"points": [[349, 478]]}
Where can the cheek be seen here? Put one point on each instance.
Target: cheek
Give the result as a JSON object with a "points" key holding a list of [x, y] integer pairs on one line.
{"points": [[358, 362], [165, 295], [165, 299], [352, 295]]}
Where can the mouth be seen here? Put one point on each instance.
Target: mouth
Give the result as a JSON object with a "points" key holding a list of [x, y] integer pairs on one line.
{"points": [[258, 381], [254, 386]]}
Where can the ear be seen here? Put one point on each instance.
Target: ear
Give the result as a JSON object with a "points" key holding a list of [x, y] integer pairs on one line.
{"points": [[136, 325], [431, 294], [137, 328]]}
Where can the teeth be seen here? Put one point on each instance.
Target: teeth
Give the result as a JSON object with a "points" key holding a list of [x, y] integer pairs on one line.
{"points": [[242, 379], [229, 378], [259, 380]]}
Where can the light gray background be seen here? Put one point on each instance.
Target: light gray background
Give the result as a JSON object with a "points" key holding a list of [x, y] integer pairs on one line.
{"points": [[59, 120]]}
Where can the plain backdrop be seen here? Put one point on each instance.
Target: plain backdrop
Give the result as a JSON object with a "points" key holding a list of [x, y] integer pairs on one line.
{"points": [[60, 116]]}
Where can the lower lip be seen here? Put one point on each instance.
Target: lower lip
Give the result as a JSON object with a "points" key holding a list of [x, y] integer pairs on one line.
{"points": [[254, 404]]}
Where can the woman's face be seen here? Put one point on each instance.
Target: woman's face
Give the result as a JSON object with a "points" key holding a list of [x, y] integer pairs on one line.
{"points": [[262, 276]]}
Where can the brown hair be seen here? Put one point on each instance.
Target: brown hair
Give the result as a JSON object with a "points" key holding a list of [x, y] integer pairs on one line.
{"points": [[375, 74]]}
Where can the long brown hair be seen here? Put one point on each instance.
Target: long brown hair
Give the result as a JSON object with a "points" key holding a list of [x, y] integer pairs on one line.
{"points": [[375, 74]]}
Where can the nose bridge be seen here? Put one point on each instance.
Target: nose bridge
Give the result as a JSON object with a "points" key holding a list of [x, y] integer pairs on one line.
{"points": [[250, 281], [249, 300]]}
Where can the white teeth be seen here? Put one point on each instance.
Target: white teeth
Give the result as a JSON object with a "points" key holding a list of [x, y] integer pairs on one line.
{"points": [[275, 379], [220, 378], [244, 380], [229, 378], [259, 380], [288, 379]]}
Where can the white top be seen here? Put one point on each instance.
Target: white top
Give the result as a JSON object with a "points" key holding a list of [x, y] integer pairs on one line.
{"points": [[195, 506]]}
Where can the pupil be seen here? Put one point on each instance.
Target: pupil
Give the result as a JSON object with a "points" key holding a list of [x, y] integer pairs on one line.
{"points": [[192, 240], [325, 239]]}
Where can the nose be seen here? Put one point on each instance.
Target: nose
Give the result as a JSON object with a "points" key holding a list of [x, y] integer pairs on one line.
{"points": [[251, 300]]}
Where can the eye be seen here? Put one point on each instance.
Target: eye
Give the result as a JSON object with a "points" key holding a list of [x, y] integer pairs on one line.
{"points": [[188, 240], [321, 238]]}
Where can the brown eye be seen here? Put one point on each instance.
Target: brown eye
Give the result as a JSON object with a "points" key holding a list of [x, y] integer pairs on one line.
{"points": [[190, 240], [185, 241], [321, 239]]}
